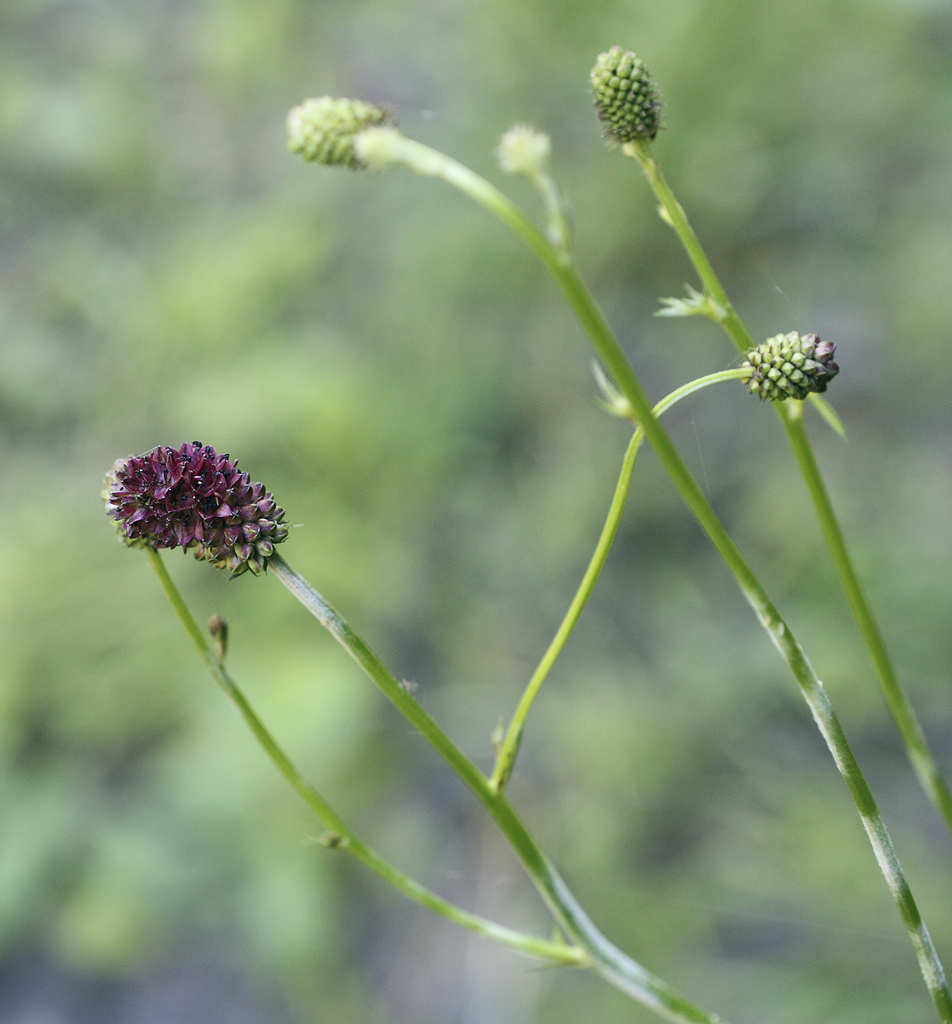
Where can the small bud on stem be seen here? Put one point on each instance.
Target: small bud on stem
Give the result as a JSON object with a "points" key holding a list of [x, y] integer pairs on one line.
{"points": [[218, 628]]}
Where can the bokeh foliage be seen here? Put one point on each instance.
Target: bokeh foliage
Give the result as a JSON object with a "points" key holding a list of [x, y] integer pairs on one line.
{"points": [[405, 380]]}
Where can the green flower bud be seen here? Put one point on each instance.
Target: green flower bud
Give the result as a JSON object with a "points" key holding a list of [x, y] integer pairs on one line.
{"points": [[627, 100], [323, 129], [789, 366]]}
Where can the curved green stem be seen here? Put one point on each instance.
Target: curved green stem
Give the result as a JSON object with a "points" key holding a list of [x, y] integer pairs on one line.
{"points": [[509, 748], [603, 957], [400, 150], [921, 757], [340, 835]]}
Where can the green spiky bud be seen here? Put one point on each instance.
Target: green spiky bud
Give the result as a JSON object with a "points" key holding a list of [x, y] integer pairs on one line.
{"points": [[627, 100], [789, 366], [323, 129]]}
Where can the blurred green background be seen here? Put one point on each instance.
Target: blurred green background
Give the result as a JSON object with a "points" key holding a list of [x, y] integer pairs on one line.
{"points": [[405, 378]]}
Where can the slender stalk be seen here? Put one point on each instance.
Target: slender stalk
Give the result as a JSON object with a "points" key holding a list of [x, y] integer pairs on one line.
{"points": [[603, 957], [509, 748], [397, 149], [556, 221], [921, 757], [917, 747], [398, 695], [341, 836], [674, 215]]}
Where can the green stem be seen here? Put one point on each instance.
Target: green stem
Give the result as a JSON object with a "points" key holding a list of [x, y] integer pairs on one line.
{"points": [[424, 160], [341, 836], [509, 749], [673, 214], [924, 764], [398, 695], [556, 222], [920, 756], [603, 957]]}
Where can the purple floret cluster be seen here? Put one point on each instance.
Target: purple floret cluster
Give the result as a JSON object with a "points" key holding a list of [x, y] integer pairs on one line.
{"points": [[195, 499]]}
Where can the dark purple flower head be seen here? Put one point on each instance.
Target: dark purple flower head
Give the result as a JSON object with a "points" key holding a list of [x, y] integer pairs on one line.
{"points": [[193, 498]]}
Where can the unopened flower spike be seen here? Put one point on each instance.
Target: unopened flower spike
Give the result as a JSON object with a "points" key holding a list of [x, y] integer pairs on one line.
{"points": [[323, 129], [789, 366], [194, 499], [627, 100]]}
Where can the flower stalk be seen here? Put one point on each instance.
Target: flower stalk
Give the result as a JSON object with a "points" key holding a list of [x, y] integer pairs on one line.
{"points": [[522, 150], [924, 764], [672, 213]]}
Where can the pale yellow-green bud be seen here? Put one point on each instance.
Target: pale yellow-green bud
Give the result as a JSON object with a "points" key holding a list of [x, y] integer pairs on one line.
{"points": [[523, 150], [323, 129]]}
